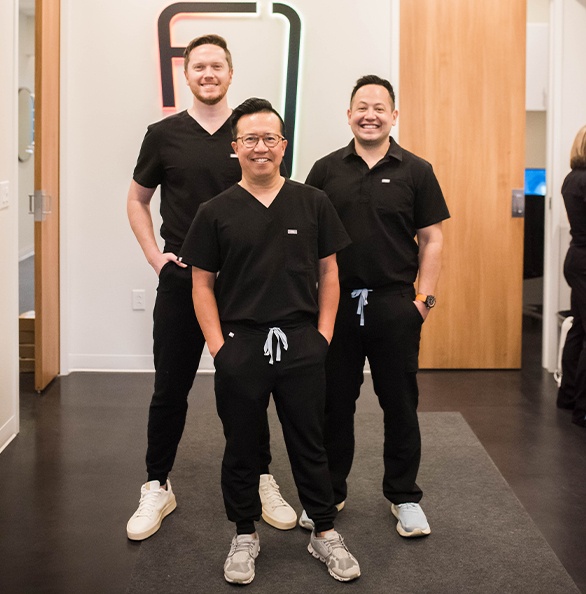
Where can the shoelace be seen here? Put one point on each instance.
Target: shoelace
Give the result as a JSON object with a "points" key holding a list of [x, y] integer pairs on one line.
{"points": [[274, 497], [147, 503], [241, 546], [408, 506], [337, 543], [362, 301]]}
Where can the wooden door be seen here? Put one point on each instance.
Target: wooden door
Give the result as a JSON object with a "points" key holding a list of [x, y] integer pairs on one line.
{"points": [[47, 24], [462, 107]]}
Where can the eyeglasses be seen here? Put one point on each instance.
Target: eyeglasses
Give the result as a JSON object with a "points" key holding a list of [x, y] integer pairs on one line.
{"points": [[251, 140]]}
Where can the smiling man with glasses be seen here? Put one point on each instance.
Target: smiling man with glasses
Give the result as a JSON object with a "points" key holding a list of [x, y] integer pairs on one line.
{"points": [[189, 155], [265, 291]]}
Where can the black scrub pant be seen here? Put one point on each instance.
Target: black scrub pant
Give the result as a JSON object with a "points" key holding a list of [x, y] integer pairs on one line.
{"points": [[244, 381], [390, 339], [178, 344], [572, 392]]}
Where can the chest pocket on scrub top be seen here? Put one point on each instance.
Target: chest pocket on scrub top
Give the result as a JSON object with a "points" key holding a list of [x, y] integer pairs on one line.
{"points": [[300, 246]]}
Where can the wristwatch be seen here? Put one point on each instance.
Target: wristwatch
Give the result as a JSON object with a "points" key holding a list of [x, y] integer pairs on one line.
{"points": [[428, 300]]}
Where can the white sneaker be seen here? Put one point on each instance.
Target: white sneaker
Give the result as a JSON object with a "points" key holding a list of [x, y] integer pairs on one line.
{"points": [[412, 521], [275, 510], [239, 565], [331, 550], [155, 504], [306, 522]]}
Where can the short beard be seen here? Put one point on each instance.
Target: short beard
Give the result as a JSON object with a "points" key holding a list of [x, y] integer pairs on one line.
{"points": [[213, 101]]}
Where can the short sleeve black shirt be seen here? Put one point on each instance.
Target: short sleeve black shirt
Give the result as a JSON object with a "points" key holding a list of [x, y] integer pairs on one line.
{"points": [[381, 208], [191, 166], [267, 258]]}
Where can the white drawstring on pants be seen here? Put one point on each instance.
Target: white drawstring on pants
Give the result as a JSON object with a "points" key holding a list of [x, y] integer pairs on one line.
{"points": [[362, 301], [281, 338]]}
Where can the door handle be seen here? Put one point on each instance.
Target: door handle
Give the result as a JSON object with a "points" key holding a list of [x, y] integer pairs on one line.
{"points": [[41, 205]]}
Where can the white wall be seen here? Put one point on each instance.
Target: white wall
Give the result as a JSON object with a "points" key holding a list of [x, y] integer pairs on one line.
{"points": [[26, 170], [8, 226], [567, 114], [110, 92]]}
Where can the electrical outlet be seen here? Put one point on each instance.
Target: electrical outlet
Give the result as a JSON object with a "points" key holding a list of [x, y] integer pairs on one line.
{"points": [[138, 299], [4, 196]]}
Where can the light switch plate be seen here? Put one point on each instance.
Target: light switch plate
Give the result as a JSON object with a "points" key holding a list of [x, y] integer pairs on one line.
{"points": [[4, 196]]}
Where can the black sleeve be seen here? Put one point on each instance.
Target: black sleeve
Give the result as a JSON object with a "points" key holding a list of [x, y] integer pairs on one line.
{"points": [[201, 246], [316, 176], [430, 205], [149, 170], [332, 236]]}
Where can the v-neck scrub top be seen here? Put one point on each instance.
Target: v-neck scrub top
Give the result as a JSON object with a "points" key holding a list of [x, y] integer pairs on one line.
{"points": [[176, 154], [267, 258]]}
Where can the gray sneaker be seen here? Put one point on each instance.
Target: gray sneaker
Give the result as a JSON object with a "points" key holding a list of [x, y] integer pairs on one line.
{"points": [[331, 550], [306, 522], [412, 521], [239, 565]]}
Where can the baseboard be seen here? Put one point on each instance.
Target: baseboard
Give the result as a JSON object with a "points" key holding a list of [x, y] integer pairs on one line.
{"points": [[26, 252], [139, 363], [8, 432]]}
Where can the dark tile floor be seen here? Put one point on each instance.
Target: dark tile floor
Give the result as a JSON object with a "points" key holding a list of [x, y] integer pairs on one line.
{"points": [[72, 475]]}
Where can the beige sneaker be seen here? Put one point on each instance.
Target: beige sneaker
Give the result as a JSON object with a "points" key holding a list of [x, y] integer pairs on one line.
{"points": [[155, 503], [275, 510]]}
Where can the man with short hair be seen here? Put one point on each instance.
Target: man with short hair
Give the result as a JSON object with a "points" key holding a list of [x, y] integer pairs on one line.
{"points": [[189, 155], [392, 207], [265, 292]]}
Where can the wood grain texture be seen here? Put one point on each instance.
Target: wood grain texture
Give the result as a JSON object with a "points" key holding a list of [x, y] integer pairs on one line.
{"points": [[47, 57], [462, 107]]}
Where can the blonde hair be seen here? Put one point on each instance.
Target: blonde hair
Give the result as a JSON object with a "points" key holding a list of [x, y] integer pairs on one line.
{"points": [[578, 152]]}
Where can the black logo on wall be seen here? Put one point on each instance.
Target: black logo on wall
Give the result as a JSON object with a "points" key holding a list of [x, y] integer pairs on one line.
{"points": [[168, 52]]}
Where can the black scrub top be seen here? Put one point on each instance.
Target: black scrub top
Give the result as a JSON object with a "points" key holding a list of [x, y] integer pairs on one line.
{"points": [[381, 208], [267, 259]]}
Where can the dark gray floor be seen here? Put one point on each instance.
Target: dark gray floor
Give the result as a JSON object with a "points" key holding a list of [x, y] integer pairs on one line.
{"points": [[72, 476], [465, 553]]}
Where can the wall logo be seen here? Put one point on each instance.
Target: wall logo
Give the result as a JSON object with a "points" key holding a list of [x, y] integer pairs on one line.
{"points": [[167, 52]]}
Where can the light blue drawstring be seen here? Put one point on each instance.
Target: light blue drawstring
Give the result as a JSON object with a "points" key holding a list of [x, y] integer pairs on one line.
{"points": [[363, 294], [281, 337]]}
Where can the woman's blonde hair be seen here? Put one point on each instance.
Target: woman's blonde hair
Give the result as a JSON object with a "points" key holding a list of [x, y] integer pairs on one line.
{"points": [[578, 152]]}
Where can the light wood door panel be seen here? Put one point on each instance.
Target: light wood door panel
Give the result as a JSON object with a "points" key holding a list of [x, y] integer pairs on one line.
{"points": [[47, 21], [462, 107]]}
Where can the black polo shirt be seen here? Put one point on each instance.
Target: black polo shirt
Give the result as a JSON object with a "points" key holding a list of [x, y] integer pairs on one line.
{"points": [[267, 258], [382, 208], [191, 166]]}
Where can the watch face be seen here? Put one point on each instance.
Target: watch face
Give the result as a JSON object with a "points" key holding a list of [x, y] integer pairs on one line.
{"points": [[430, 301]]}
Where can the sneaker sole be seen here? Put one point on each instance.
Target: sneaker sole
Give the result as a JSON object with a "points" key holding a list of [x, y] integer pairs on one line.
{"points": [[164, 512], [278, 524], [415, 533], [315, 554], [237, 581]]}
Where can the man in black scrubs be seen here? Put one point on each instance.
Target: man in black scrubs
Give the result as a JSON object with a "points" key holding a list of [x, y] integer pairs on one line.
{"points": [[392, 207], [265, 291], [189, 155]]}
